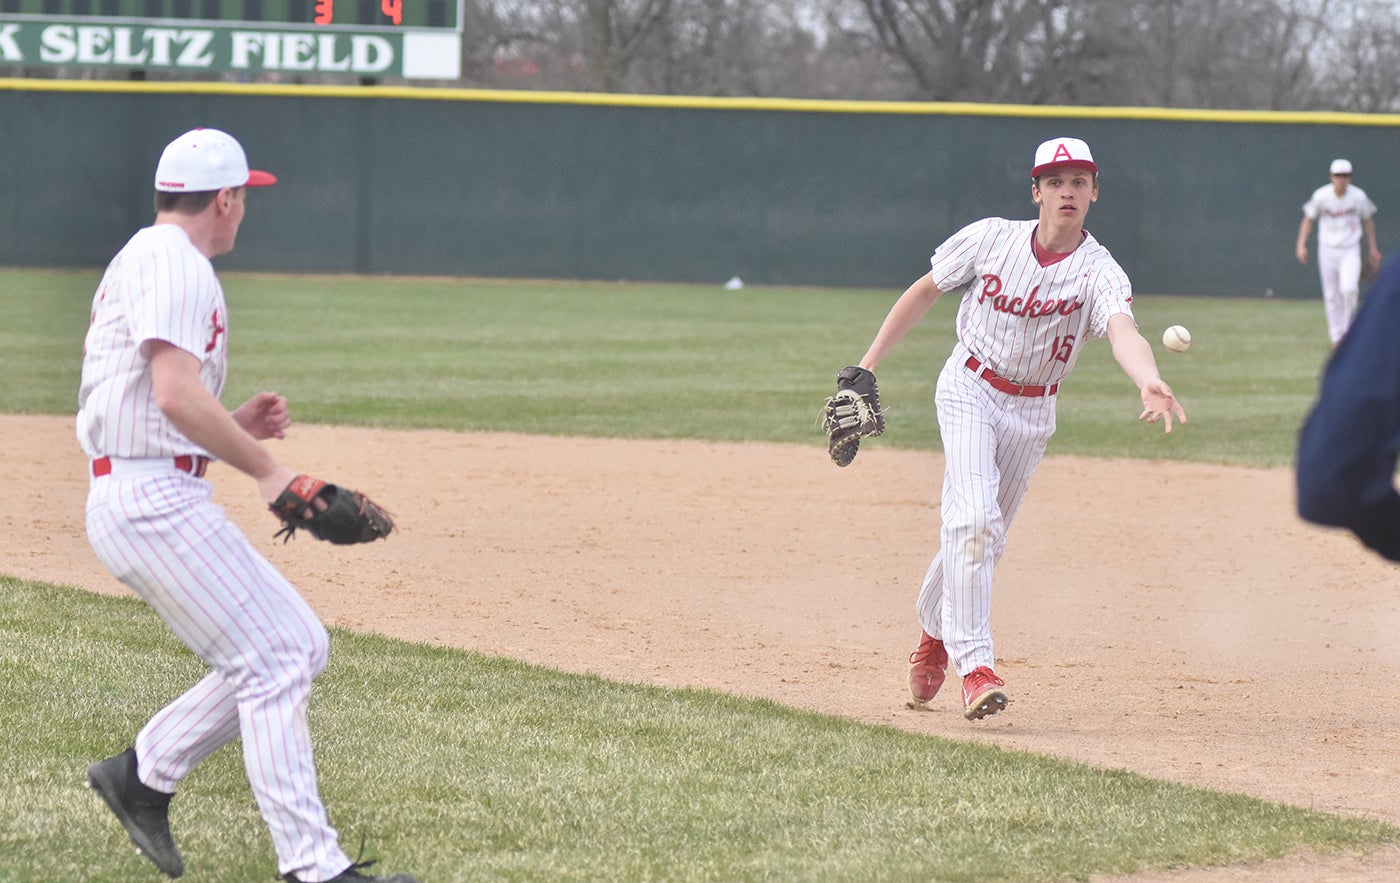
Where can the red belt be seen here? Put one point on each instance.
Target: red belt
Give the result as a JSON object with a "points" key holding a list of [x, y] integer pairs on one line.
{"points": [[194, 465], [1003, 385]]}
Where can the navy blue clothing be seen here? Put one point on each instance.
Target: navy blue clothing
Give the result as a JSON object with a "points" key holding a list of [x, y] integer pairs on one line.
{"points": [[1349, 444]]}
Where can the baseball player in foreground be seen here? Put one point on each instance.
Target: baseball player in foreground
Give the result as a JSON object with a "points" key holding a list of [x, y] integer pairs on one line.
{"points": [[1342, 211], [1037, 291], [1350, 442], [150, 421]]}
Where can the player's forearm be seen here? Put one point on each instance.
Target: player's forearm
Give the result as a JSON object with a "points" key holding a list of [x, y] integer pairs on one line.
{"points": [[1132, 352], [208, 424], [201, 418], [904, 315]]}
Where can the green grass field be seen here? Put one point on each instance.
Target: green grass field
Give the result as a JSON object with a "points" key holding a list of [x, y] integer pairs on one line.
{"points": [[672, 361], [461, 767]]}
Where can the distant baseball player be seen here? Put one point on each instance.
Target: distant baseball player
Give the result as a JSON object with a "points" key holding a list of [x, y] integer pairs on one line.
{"points": [[1342, 211], [150, 421], [1037, 291]]}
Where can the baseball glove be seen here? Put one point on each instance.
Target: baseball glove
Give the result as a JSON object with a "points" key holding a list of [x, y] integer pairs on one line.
{"points": [[853, 412], [328, 512]]}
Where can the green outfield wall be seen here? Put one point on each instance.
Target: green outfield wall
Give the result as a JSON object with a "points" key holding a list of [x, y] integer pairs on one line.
{"points": [[556, 185]]}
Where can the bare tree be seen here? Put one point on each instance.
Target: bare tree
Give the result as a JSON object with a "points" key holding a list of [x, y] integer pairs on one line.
{"points": [[1205, 53], [732, 47], [1361, 64], [688, 47], [614, 32], [558, 44], [960, 49], [1268, 54], [1277, 73], [1193, 53]]}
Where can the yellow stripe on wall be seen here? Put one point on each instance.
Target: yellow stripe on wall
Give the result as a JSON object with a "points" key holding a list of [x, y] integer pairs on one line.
{"points": [[797, 105]]}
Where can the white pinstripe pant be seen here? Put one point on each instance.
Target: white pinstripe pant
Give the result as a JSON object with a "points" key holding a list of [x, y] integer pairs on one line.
{"points": [[1340, 271], [992, 444], [157, 530]]}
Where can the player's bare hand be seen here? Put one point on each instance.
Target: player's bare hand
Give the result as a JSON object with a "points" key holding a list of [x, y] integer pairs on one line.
{"points": [[264, 416], [1303, 255], [1159, 403]]}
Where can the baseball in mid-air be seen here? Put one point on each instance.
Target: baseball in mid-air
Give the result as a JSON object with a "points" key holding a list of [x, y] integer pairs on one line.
{"points": [[1176, 339]]}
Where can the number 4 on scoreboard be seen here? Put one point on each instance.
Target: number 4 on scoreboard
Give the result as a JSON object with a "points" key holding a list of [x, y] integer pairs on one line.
{"points": [[325, 11]]}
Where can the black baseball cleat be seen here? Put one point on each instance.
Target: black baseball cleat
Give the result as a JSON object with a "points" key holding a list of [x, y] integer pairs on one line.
{"points": [[352, 875], [143, 811]]}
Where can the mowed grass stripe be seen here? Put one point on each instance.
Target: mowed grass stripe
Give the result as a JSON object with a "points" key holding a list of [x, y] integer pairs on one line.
{"points": [[673, 361], [465, 767]]}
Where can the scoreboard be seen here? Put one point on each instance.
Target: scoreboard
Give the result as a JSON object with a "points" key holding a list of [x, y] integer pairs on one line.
{"points": [[358, 13], [413, 39]]}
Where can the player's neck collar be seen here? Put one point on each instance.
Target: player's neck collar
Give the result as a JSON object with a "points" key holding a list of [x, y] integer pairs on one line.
{"points": [[1044, 256]]}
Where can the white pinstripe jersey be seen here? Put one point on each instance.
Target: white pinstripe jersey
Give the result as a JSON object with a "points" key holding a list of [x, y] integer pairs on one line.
{"points": [[158, 287], [1339, 217], [1024, 321]]}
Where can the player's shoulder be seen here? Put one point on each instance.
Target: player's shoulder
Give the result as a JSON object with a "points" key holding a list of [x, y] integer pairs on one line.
{"points": [[1096, 254], [167, 241], [1092, 247], [995, 228], [162, 258], [1318, 195], [1012, 224]]}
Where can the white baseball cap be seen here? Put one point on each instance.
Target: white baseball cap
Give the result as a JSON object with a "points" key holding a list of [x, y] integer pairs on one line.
{"points": [[1341, 167], [206, 159], [1063, 152]]}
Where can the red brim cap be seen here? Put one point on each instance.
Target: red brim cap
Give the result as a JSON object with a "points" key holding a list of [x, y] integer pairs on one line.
{"points": [[260, 179], [1070, 152], [1073, 164]]}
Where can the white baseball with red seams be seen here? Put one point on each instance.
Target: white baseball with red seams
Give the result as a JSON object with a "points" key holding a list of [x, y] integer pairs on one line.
{"points": [[1176, 338], [1024, 319], [157, 530]]}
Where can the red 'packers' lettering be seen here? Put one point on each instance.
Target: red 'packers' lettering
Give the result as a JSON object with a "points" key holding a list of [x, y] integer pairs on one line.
{"points": [[1029, 307]]}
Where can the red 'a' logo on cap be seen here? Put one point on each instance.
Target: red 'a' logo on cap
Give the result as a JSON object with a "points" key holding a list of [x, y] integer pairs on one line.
{"points": [[1061, 152]]}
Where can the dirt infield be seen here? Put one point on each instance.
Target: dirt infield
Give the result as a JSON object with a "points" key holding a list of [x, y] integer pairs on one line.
{"points": [[1175, 620]]}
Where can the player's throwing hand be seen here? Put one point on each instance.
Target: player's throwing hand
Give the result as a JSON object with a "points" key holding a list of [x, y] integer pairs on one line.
{"points": [[1158, 403]]}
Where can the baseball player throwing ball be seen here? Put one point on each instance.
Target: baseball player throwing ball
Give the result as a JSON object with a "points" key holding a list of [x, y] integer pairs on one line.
{"points": [[150, 421], [1038, 290]]}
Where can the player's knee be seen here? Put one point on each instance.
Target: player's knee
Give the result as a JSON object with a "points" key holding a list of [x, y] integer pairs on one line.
{"points": [[300, 660], [974, 548], [320, 650], [977, 545], [971, 537]]}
